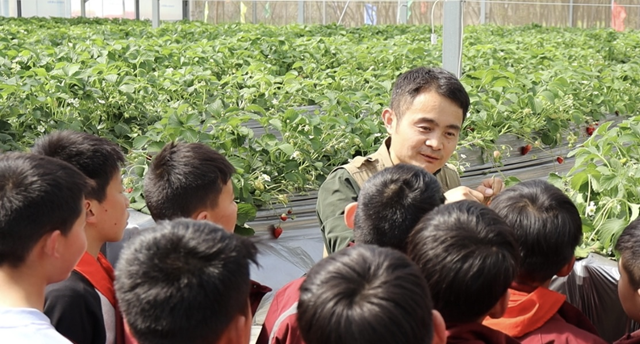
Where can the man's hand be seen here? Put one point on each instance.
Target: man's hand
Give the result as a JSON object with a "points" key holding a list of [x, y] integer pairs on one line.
{"points": [[463, 193], [483, 193], [489, 188]]}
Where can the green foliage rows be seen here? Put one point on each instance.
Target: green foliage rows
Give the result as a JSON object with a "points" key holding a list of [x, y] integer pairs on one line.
{"points": [[317, 91]]}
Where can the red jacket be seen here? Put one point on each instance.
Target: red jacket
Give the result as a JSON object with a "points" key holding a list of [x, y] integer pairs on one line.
{"points": [[476, 333], [256, 293], [629, 338], [543, 316], [280, 325]]}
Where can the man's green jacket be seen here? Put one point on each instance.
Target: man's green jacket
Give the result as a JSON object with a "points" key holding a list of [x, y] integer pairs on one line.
{"points": [[343, 186]]}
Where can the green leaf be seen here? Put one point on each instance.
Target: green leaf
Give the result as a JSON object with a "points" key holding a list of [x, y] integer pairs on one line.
{"points": [[121, 129], [244, 231], [112, 78], [610, 230], [287, 149], [256, 108], [246, 212], [71, 69], [127, 88], [578, 180], [276, 123]]}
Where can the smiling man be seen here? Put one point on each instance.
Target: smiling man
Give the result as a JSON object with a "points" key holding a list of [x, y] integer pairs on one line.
{"points": [[428, 106]]}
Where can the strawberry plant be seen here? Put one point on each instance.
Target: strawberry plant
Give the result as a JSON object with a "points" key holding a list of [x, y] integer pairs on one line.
{"points": [[604, 182], [288, 104]]}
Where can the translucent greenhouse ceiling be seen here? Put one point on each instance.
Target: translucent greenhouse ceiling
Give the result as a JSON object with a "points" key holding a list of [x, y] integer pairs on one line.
{"points": [[169, 9]]}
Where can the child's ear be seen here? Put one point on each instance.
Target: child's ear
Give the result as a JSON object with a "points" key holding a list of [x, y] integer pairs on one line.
{"points": [[439, 328], [501, 306], [239, 331], [350, 214], [566, 270], [201, 216], [52, 244], [90, 206]]}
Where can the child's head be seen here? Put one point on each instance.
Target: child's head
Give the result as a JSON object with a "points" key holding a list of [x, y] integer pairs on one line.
{"points": [[547, 226], [629, 265], [41, 209], [100, 160], [367, 294], [186, 281], [391, 203], [191, 180], [469, 257]]}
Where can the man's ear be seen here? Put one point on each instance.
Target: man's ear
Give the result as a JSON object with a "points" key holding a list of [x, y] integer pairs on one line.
{"points": [[501, 306], [90, 207], [389, 119], [566, 270], [439, 328], [350, 214]]}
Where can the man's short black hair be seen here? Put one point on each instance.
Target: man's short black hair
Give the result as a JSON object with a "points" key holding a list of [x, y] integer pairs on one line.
{"points": [[392, 202], [412, 83], [628, 246], [365, 294], [547, 225], [98, 158], [185, 178], [184, 281], [469, 257], [38, 195]]}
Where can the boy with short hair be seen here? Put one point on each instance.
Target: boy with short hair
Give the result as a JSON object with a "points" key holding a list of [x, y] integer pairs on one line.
{"points": [[469, 257], [186, 281], [84, 308], [367, 294], [42, 237], [391, 203], [192, 180], [548, 229], [629, 284]]}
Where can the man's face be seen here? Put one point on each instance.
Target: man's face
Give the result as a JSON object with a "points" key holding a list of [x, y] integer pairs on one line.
{"points": [[427, 133], [629, 297]]}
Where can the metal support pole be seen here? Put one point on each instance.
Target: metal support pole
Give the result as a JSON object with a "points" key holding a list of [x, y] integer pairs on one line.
{"points": [[300, 11], [452, 36], [324, 12], [403, 11], [83, 8], [570, 13], [155, 13], [19, 8], [137, 9], [483, 12], [254, 11], [185, 9]]}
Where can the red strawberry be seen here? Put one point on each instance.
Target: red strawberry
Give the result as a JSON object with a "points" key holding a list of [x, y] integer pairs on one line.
{"points": [[283, 217], [560, 160], [590, 130], [289, 211], [277, 232], [525, 149], [129, 190]]}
